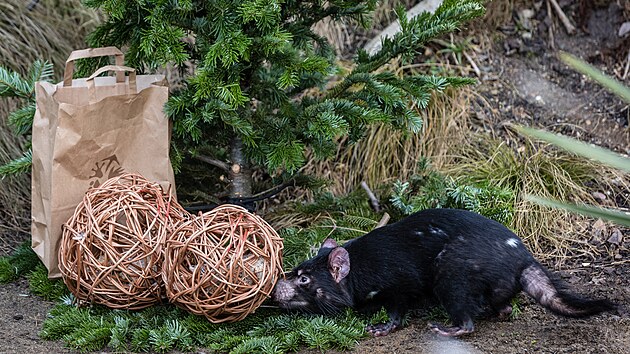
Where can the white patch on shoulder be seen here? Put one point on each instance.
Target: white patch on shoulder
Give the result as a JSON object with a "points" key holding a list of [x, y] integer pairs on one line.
{"points": [[512, 242]]}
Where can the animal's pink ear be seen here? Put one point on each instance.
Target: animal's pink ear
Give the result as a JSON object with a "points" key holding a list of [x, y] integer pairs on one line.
{"points": [[329, 243], [339, 263]]}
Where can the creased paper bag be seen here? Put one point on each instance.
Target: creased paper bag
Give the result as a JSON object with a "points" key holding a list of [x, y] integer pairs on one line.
{"points": [[88, 130]]}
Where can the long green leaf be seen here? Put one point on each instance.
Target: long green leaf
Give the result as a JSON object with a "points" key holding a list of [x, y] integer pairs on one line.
{"points": [[611, 84], [615, 216], [583, 149]]}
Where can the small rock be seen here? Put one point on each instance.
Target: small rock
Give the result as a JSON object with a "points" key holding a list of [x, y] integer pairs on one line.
{"points": [[598, 280], [624, 29], [616, 237], [599, 196], [609, 270], [599, 228], [527, 13], [525, 18], [18, 317]]}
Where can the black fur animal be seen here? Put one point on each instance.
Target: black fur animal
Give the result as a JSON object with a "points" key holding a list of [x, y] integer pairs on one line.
{"points": [[469, 264]]}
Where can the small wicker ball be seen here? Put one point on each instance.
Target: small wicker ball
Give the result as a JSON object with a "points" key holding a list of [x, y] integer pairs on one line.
{"points": [[222, 264], [111, 249]]}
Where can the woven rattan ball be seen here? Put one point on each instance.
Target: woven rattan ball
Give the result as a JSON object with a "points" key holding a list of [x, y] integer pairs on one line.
{"points": [[222, 264], [111, 250]]}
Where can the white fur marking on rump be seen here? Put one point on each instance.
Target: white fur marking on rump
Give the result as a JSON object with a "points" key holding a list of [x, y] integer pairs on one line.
{"points": [[371, 295], [437, 231], [512, 242]]}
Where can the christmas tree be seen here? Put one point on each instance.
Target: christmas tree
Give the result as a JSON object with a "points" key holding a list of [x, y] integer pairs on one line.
{"points": [[261, 89]]}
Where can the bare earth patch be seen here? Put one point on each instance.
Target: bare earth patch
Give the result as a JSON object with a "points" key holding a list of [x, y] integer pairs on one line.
{"points": [[21, 318], [535, 330]]}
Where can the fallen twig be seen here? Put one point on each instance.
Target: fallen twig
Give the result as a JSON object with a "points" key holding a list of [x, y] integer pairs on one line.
{"points": [[563, 17], [552, 41], [625, 72], [384, 220], [373, 200], [473, 64]]}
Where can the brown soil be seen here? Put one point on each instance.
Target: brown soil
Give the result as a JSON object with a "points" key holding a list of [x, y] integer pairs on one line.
{"points": [[535, 330], [521, 81]]}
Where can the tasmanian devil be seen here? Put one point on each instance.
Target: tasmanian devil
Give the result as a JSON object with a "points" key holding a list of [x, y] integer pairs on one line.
{"points": [[469, 264]]}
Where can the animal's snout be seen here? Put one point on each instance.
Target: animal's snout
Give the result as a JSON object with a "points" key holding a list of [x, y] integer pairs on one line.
{"points": [[284, 291]]}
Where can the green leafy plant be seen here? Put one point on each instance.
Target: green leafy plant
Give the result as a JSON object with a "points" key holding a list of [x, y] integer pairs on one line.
{"points": [[23, 88], [341, 218], [517, 307]]}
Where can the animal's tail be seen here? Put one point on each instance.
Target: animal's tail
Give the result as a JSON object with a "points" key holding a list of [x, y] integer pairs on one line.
{"points": [[551, 293]]}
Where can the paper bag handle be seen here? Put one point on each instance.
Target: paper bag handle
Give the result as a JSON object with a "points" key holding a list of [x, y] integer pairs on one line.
{"points": [[93, 53], [118, 69]]}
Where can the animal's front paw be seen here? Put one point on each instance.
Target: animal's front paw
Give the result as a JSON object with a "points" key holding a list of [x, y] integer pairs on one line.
{"points": [[381, 329], [453, 331], [505, 313]]}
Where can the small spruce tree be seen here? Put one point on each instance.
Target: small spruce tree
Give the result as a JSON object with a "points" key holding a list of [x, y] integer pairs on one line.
{"points": [[261, 88]]}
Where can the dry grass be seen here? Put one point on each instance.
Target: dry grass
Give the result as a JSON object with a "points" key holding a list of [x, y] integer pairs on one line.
{"points": [[50, 31], [498, 12], [453, 147], [529, 168], [387, 154]]}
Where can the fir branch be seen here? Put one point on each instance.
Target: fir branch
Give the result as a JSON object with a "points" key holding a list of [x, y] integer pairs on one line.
{"points": [[255, 71], [40, 70], [12, 85], [41, 285], [22, 119], [17, 166], [417, 31]]}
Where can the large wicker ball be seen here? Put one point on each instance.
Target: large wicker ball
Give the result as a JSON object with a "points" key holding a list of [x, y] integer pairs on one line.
{"points": [[111, 250], [222, 264]]}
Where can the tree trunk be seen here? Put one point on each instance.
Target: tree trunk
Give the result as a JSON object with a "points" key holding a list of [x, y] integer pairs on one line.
{"points": [[240, 171]]}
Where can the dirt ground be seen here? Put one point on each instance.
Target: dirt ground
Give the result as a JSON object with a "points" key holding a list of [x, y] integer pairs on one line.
{"points": [[535, 330], [521, 81]]}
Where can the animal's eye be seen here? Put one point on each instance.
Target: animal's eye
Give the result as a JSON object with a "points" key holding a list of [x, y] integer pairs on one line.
{"points": [[304, 279]]}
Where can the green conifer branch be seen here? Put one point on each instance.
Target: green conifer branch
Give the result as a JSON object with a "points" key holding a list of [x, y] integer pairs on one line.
{"points": [[254, 65]]}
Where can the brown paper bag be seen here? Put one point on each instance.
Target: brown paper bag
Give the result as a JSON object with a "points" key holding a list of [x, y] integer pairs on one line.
{"points": [[88, 130]]}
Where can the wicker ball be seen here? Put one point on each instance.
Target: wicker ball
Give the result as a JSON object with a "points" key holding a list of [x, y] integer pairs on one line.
{"points": [[222, 264], [111, 250]]}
